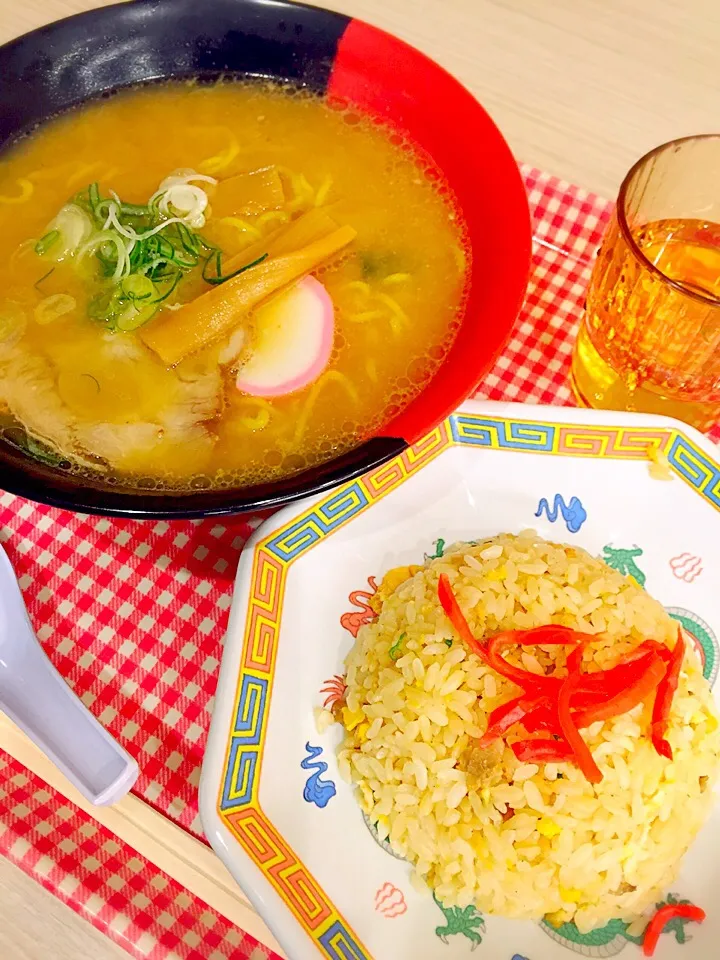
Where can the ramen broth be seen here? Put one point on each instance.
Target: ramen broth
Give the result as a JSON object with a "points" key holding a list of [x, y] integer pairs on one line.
{"points": [[100, 366]]}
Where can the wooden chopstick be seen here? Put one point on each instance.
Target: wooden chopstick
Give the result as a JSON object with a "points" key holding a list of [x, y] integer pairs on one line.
{"points": [[159, 840]]}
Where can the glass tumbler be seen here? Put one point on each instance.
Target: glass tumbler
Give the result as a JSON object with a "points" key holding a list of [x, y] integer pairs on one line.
{"points": [[650, 336]]}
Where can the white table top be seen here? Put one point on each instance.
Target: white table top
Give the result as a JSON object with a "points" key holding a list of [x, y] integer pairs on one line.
{"points": [[580, 88]]}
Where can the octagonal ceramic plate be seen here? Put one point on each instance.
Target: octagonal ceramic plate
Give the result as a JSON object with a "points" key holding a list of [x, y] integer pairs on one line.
{"points": [[273, 804]]}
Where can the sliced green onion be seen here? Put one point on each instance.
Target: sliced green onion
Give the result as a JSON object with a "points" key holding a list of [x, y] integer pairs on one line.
{"points": [[54, 306], [157, 269], [137, 287], [75, 227], [44, 243], [108, 264], [43, 278], [142, 251], [133, 317], [128, 232], [134, 210], [188, 240], [219, 278], [102, 210], [93, 197], [101, 307], [108, 237], [183, 262], [137, 255], [202, 242], [176, 281]]}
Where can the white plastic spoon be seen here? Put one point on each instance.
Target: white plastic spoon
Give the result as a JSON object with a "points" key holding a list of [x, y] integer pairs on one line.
{"points": [[37, 699]]}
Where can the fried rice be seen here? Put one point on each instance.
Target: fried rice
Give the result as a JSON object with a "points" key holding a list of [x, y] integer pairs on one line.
{"points": [[522, 840]]}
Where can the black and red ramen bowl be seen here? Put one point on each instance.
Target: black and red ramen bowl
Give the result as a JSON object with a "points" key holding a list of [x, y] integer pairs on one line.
{"points": [[60, 66]]}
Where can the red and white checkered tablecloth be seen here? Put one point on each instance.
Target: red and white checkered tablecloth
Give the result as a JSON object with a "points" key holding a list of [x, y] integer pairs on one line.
{"points": [[133, 613]]}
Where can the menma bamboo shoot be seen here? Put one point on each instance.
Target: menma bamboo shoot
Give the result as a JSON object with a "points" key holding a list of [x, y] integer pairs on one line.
{"points": [[176, 334]]}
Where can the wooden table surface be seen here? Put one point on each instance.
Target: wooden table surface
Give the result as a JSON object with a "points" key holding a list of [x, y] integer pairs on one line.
{"points": [[580, 88]]}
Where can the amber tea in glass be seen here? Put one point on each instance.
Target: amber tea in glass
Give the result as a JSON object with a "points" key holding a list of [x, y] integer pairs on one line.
{"points": [[650, 337]]}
